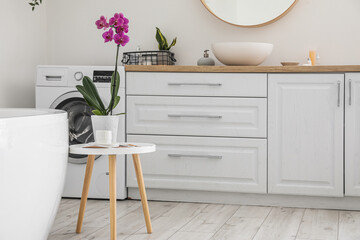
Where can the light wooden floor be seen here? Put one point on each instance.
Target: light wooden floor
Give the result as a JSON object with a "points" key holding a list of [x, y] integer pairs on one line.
{"points": [[187, 221]]}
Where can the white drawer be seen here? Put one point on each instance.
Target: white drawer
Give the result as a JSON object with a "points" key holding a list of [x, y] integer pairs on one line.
{"points": [[197, 84], [51, 76], [200, 116], [200, 163]]}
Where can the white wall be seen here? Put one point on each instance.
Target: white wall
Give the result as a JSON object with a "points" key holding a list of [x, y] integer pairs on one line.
{"points": [[22, 47], [66, 34], [331, 26]]}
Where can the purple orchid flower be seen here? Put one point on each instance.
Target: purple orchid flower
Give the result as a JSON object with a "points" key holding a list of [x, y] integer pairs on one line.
{"points": [[102, 23], [123, 28], [118, 27], [116, 21], [121, 39], [108, 35]]}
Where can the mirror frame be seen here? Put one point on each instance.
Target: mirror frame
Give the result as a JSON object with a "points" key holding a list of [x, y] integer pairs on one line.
{"points": [[251, 26]]}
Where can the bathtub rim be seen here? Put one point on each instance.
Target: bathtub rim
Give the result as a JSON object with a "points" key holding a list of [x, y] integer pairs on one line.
{"points": [[29, 112]]}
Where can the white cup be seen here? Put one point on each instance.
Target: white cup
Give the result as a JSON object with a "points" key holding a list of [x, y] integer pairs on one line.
{"points": [[103, 136]]}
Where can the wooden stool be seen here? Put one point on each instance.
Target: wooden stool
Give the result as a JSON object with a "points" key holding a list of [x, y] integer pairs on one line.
{"points": [[125, 148]]}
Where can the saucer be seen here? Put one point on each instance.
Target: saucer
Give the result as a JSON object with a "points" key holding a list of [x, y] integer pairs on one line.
{"points": [[289, 63]]}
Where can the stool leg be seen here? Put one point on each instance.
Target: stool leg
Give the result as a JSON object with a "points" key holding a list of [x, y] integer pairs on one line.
{"points": [[112, 189], [140, 180], [85, 191]]}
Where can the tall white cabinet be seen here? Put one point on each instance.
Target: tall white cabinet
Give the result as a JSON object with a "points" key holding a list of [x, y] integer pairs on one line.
{"points": [[305, 134], [352, 134]]}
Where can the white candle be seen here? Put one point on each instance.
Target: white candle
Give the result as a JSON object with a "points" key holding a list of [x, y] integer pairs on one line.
{"points": [[103, 137]]}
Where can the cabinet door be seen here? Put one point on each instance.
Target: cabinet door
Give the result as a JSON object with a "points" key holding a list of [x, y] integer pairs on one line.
{"points": [[306, 113], [202, 163], [352, 134]]}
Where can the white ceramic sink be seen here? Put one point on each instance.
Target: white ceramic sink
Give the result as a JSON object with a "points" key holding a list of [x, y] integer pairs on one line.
{"points": [[241, 53]]}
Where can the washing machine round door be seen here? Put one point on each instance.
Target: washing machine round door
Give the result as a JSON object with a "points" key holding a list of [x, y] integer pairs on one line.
{"points": [[79, 115]]}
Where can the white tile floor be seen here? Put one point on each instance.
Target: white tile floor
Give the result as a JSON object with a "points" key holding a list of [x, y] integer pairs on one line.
{"points": [[186, 221]]}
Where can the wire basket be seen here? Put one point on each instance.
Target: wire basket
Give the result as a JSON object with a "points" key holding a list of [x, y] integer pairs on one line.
{"points": [[163, 57]]}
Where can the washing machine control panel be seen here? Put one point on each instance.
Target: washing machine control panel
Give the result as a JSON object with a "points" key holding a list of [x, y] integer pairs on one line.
{"points": [[102, 76]]}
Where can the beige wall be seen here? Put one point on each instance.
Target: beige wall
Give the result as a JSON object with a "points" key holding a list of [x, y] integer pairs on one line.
{"points": [[331, 26], [22, 47]]}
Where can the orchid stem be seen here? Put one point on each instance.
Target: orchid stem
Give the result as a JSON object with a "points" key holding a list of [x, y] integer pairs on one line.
{"points": [[112, 101]]}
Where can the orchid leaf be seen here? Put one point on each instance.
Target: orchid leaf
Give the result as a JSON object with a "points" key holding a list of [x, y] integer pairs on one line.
{"points": [[96, 112], [112, 91], [90, 88], [116, 101], [89, 100], [85, 96], [117, 83]]}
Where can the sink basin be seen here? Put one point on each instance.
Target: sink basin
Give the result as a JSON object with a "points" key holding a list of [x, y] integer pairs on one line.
{"points": [[241, 53]]}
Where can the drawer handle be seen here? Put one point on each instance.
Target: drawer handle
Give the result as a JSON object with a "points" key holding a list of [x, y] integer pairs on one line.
{"points": [[338, 93], [196, 84], [53, 78], [350, 92], [194, 116], [196, 156]]}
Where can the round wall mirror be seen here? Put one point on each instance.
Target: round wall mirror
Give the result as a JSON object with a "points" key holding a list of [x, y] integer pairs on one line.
{"points": [[249, 13]]}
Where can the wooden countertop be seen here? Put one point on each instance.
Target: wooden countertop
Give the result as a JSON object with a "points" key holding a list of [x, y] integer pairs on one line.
{"points": [[243, 69]]}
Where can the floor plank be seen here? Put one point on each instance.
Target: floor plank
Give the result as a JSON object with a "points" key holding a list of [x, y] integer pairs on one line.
{"points": [[170, 222], [349, 225], [210, 218], [191, 236], [319, 224], [244, 224], [281, 224]]}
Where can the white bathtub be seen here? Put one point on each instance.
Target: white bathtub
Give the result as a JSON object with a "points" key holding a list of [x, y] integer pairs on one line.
{"points": [[33, 159]]}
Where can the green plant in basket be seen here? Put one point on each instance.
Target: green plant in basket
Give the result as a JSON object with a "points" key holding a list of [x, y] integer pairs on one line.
{"points": [[161, 39]]}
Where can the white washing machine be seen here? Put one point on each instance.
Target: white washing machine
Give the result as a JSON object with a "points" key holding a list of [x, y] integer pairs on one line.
{"points": [[55, 88]]}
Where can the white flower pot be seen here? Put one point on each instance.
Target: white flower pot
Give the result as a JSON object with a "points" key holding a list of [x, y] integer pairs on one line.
{"points": [[109, 123]]}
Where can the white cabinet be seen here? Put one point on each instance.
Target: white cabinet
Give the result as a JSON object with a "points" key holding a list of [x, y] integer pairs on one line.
{"points": [[352, 134], [203, 163], [305, 134]]}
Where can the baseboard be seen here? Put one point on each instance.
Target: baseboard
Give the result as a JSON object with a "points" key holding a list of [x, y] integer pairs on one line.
{"points": [[343, 203]]}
